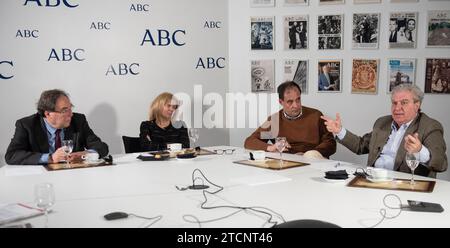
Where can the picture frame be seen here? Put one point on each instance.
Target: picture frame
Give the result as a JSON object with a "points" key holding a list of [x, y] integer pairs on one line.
{"points": [[330, 31], [332, 82], [262, 30], [262, 75], [400, 71], [365, 76], [296, 70]]}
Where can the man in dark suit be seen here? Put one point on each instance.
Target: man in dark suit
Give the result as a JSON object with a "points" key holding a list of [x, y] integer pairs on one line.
{"points": [[326, 81], [393, 26], [37, 138], [407, 129]]}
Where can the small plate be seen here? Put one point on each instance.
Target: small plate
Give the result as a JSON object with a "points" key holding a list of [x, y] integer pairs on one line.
{"points": [[334, 180], [94, 162], [379, 180]]}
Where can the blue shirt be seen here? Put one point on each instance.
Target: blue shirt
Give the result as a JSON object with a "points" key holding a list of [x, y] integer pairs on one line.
{"points": [[389, 152], [51, 135]]}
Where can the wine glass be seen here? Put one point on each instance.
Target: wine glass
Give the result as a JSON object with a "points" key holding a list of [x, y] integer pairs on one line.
{"points": [[68, 147], [412, 160], [280, 144], [193, 135], [44, 197]]}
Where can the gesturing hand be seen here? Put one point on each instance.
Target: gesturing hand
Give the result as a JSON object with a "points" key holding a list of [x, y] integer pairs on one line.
{"points": [[412, 143], [333, 126]]}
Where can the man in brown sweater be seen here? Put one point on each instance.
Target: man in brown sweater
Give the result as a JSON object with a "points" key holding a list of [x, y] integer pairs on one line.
{"points": [[302, 126]]}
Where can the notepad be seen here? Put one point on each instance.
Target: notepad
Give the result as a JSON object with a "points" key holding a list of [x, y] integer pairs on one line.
{"points": [[17, 211]]}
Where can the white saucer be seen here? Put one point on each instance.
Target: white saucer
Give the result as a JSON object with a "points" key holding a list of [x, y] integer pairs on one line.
{"points": [[185, 159], [334, 180], [380, 180], [94, 162]]}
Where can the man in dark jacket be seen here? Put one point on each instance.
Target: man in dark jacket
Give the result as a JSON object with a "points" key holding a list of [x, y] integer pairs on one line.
{"points": [[38, 137]]}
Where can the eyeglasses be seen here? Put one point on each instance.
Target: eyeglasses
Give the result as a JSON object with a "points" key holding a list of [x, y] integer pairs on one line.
{"points": [[224, 151], [64, 110]]}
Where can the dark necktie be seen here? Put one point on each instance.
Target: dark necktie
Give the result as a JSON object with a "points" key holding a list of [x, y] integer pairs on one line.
{"points": [[57, 139]]}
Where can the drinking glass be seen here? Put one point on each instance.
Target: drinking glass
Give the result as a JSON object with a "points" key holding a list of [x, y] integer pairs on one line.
{"points": [[412, 160], [280, 144], [44, 197], [193, 135], [68, 147]]}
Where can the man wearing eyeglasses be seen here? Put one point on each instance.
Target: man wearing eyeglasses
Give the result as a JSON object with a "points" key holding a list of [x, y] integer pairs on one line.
{"points": [[407, 129], [38, 137], [302, 127]]}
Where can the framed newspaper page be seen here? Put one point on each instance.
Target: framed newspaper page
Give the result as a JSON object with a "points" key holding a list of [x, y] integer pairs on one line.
{"points": [[262, 33], [365, 30], [330, 32], [403, 29], [295, 2], [297, 70], [331, 1], [365, 76], [438, 28], [437, 76], [296, 32], [262, 3], [404, 1], [263, 76], [366, 1], [329, 75], [401, 71]]}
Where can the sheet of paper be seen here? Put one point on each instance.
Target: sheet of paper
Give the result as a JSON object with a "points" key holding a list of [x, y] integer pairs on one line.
{"points": [[23, 170], [260, 179], [17, 211]]}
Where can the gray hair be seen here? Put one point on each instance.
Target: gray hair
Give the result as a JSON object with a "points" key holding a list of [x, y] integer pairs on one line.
{"points": [[416, 91], [47, 101]]}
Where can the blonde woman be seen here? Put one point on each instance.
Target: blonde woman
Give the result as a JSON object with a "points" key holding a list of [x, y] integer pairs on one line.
{"points": [[160, 130]]}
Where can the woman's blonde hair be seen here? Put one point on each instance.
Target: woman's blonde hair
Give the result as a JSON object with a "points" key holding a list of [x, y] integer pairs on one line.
{"points": [[158, 104]]}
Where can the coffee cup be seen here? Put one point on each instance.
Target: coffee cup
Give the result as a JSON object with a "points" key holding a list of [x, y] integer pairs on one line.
{"points": [[259, 155], [90, 157], [377, 173], [174, 147]]}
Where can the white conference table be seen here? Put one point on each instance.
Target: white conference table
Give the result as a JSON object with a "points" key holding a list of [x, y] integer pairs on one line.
{"points": [[84, 196]]}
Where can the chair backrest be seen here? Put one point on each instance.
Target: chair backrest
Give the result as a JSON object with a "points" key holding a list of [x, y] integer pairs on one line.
{"points": [[306, 223], [131, 144]]}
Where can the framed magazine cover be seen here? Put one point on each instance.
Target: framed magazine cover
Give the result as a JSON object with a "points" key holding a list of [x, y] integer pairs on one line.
{"points": [[329, 75], [438, 31], [330, 30], [295, 2], [296, 32], [297, 70], [403, 29], [366, 1], [262, 3], [263, 75], [437, 75], [262, 33], [365, 30], [404, 1], [331, 1], [365, 76], [400, 71]]}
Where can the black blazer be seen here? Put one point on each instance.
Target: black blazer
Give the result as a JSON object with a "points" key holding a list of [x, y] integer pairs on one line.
{"points": [[154, 138], [30, 139]]}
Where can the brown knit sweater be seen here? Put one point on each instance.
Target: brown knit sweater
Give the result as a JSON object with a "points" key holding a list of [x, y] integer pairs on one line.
{"points": [[303, 134]]}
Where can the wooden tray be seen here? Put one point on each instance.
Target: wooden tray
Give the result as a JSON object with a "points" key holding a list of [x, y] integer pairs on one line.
{"points": [[271, 163], [395, 184], [63, 166]]}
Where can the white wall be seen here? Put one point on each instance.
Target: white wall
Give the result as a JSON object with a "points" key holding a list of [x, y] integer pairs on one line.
{"points": [[358, 111], [114, 104]]}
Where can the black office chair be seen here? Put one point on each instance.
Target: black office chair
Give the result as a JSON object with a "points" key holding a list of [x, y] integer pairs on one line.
{"points": [[306, 223], [131, 144]]}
